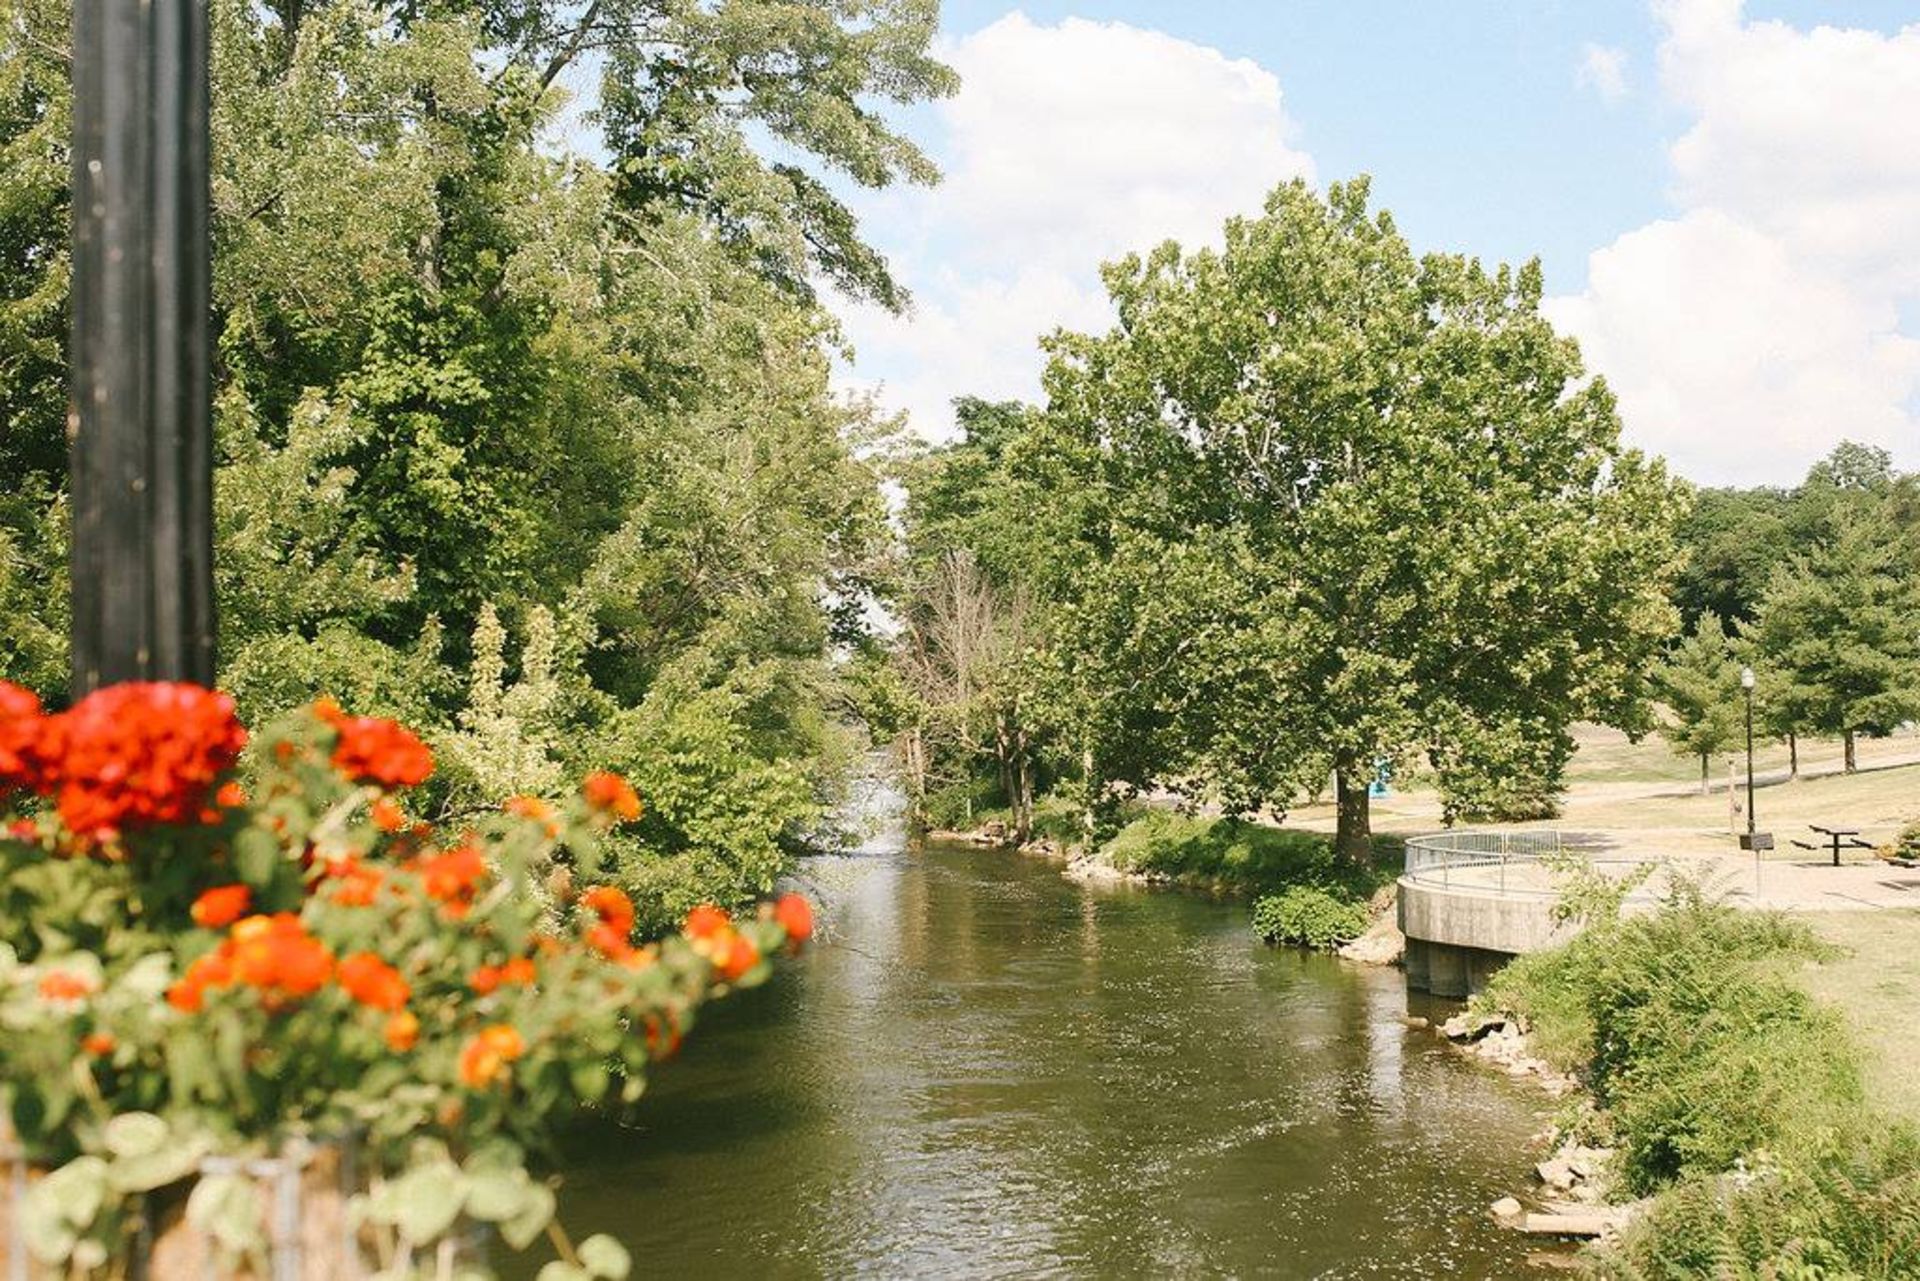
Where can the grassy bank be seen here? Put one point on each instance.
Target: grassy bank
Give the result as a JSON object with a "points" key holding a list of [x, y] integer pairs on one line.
{"points": [[1734, 1097], [1304, 895]]}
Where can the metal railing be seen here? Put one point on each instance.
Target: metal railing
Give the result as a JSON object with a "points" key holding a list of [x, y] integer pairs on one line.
{"points": [[1516, 863]]}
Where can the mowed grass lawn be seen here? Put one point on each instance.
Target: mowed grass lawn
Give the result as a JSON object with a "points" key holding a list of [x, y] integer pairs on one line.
{"points": [[1606, 756], [1875, 802], [1876, 983]]}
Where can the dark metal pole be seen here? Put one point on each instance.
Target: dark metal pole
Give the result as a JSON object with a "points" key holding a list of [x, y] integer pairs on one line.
{"points": [[1749, 692], [140, 421]]}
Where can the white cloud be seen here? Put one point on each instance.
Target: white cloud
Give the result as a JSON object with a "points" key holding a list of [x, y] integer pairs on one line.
{"points": [[1603, 69], [1761, 325], [1067, 145]]}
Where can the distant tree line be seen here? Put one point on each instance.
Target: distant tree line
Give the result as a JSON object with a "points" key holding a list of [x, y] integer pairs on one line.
{"points": [[1817, 589]]}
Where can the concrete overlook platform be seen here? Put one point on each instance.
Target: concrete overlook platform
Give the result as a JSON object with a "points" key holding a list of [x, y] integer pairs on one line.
{"points": [[1471, 901]]}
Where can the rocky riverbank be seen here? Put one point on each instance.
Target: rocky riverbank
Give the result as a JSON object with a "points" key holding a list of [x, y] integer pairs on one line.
{"points": [[1576, 1187]]}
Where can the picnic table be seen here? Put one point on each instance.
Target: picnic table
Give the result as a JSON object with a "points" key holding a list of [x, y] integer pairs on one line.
{"points": [[1837, 839]]}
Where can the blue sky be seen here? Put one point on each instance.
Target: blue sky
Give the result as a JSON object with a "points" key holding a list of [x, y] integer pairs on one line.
{"points": [[1726, 197]]}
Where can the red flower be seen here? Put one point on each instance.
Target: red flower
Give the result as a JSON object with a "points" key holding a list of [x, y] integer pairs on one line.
{"points": [[485, 1057], [374, 750], [795, 915], [610, 794], [706, 921], [22, 732], [222, 906], [141, 753], [372, 982]]}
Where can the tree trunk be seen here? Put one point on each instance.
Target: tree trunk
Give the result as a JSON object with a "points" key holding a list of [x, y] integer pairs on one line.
{"points": [[1023, 807], [1703, 774], [1088, 820], [1793, 756], [1353, 834], [1852, 762]]}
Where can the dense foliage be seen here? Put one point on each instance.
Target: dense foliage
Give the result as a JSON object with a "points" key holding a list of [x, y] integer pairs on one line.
{"points": [[193, 965], [1310, 916], [488, 405], [1313, 504]]}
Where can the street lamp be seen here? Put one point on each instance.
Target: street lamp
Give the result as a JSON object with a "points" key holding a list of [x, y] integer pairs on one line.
{"points": [[1755, 841]]}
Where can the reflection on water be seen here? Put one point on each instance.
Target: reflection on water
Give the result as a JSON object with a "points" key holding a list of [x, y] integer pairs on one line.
{"points": [[986, 1070]]}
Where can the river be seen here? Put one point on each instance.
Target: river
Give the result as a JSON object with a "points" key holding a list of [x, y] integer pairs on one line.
{"points": [[986, 1070]]}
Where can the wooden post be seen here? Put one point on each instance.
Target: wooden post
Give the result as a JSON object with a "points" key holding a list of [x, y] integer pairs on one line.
{"points": [[140, 421]]}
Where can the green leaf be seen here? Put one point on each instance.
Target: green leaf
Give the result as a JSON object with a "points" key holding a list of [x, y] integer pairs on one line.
{"points": [[535, 1213], [227, 1207], [494, 1196], [256, 855], [135, 1134], [605, 1257], [152, 1170], [590, 1081], [427, 1200]]}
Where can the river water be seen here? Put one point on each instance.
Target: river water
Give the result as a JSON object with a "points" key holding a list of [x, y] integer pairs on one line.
{"points": [[987, 1070]]}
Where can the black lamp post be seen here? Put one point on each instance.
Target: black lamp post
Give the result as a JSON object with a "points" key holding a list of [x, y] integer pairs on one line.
{"points": [[140, 419], [1752, 840]]}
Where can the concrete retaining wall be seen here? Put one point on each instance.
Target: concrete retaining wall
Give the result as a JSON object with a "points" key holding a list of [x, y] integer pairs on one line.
{"points": [[1457, 937]]}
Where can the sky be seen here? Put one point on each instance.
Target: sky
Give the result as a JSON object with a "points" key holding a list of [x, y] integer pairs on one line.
{"points": [[1725, 197]]}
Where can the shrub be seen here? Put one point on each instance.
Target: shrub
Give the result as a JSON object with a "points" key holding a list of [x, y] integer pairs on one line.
{"points": [[1850, 1209], [1310, 916], [1907, 844], [1696, 1045], [190, 968]]}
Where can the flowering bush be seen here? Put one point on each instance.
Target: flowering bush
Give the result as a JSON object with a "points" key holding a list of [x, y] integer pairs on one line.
{"points": [[189, 966]]}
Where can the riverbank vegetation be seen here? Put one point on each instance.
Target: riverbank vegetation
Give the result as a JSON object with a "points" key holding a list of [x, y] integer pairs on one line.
{"points": [[1734, 1098], [1238, 550]]}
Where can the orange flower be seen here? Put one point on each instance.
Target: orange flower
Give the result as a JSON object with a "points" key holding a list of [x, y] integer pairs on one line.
{"points": [[609, 942], [706, 921], [230, 796], [610, 904], [372, 982], [221, 906], [451, 876], [215, 969], [387, 816], [403, 1029], [359, 883], [278, 956], [795, 915], [610, 794], [490, 978], [59, 985], [736, 957], [519, 970], [98, 1044], [484, 1058]]}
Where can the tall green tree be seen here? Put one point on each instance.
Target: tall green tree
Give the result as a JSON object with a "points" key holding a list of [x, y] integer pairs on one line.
{"points": [[1699, 682], [1840, 628], [1436, 543]]}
